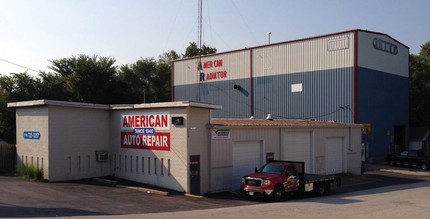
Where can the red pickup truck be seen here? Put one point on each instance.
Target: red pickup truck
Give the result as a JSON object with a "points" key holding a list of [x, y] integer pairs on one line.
{"points": [[278, 178]]}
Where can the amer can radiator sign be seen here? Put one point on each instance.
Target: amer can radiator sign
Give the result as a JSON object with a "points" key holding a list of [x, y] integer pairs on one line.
{"points": [[146, 131]]}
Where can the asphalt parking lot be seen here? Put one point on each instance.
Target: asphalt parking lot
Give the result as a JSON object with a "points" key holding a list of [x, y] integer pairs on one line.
{"points": [[22, 198]]}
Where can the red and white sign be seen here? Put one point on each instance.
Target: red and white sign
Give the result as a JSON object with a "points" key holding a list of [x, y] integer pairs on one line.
{"points": [[146, 131], [157, 141], [158, 121]]}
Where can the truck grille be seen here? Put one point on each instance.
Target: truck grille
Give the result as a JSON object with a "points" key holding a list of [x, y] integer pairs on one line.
{"points": [[253, 182]]}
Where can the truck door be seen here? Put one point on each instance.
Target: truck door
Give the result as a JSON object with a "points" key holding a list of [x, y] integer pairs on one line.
{"points": [[292, 181]]}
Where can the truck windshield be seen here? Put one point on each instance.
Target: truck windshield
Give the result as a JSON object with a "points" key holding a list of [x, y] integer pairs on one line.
{"points": [[274, 169]]}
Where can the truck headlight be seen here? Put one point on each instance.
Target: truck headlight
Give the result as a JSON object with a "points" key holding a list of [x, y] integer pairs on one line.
{"points": [[243, 180], [266, 182]]}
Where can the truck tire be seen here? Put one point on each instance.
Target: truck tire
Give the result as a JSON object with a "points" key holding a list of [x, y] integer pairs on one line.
{"points": [[320, 189], [424, 166], [277, 194], [392, 163], [327, 187]]}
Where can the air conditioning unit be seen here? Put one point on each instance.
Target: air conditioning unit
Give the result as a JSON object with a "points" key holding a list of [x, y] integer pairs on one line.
{"points": [[102, 156]]}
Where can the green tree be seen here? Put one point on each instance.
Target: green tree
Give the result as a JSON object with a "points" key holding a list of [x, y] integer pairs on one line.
{"points": [[193, 50], [147, 80], [86, 79], [13, 88], [419, 87]]}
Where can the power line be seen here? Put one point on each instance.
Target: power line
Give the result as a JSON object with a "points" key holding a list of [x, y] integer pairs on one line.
{"points": [[13, 63]]}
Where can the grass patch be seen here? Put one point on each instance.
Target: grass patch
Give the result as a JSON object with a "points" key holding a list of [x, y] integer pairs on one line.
{"points": [[29, 171]]}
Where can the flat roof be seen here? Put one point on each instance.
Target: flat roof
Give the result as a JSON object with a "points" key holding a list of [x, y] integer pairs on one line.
{"points": [[279, 123], [31, 103], [113, 106]]}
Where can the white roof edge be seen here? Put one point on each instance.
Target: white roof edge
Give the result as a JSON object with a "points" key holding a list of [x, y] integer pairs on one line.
{"points": [[56, 103], [165, 105], [114, 106]]}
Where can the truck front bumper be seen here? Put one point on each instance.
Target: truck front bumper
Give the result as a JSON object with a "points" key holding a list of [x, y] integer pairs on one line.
{"points": [[257, 191]]}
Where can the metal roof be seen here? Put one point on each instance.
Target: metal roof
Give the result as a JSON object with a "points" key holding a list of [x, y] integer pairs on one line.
{"points": [[279, 123], [292, 41]]}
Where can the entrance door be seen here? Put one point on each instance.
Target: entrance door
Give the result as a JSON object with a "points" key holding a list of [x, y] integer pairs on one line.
{"points": [[195, 174]]}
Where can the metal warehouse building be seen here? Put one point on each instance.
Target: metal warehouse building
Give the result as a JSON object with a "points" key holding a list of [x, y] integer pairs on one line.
{"points": [[174, 145], [356, 76]]}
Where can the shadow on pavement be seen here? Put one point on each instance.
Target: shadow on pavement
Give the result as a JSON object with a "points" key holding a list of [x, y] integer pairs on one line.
{"points": [[20, 212]]}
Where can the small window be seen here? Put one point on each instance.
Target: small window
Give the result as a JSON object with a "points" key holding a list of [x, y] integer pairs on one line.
{"points": [[155, 165], [79, 163], [143, 164], [168, 167], [131, 164], [162, 166], [125, 163], [149, 165], [137, 164]]}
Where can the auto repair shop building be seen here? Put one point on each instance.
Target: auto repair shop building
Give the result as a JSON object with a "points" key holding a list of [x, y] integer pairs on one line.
{"points": [[355, 76], [174, 145]]}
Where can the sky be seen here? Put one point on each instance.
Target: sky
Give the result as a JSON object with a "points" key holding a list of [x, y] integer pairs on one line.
{"points": [[33, 32]]}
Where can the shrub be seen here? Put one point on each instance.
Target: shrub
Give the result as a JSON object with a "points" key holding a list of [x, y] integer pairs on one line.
{"points": [[27, 171]]}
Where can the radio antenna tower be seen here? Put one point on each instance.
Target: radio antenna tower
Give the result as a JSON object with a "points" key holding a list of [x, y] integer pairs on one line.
{"points": [[199, 42]]}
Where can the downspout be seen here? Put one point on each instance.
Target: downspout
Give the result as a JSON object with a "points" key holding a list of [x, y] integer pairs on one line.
{"points": [[355, 76], [251, 84]]}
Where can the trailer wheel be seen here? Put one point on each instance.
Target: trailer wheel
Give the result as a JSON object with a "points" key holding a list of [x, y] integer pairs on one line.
{"points": [[278, 194]]}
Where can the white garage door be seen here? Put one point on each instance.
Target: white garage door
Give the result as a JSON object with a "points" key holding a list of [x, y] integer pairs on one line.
{"points": [[334, 155], [297, 147], [246, 156]]}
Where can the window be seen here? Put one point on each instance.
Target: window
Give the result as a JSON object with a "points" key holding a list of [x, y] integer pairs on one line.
{"points": [[143, 164], [131, 163], [162, 166], [155, 165], [149, 165], [168, 167], [79, 163], [137, 164], [125, 163]]}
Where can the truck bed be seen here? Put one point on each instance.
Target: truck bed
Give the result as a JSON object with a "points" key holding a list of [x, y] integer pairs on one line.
{"points": [[312, 178]]}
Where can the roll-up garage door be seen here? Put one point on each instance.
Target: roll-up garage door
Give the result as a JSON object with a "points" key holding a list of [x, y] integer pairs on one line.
{"points": [[334, 155], [246, 156], [297, 147]]}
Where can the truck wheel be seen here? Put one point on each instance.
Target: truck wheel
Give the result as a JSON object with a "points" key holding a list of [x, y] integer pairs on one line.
{"points": [[424, 167], [327, 187], [249, 197], [320, 190], [278, 194], [392, 163]]}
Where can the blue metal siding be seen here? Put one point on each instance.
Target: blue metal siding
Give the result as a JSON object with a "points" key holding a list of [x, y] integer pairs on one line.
{"points": [[235, 102], [382, 101], [326, 95]]}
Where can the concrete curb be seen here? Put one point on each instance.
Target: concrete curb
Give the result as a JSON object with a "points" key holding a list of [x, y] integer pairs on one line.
{"points": [[149, 191], [193, 196]]}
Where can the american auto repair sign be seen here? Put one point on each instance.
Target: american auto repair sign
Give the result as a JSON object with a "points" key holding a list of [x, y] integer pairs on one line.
{"points": [[146, 131]]}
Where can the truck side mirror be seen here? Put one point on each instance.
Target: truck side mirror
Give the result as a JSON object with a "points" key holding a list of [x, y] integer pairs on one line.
{"points": [[256, 170]]}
